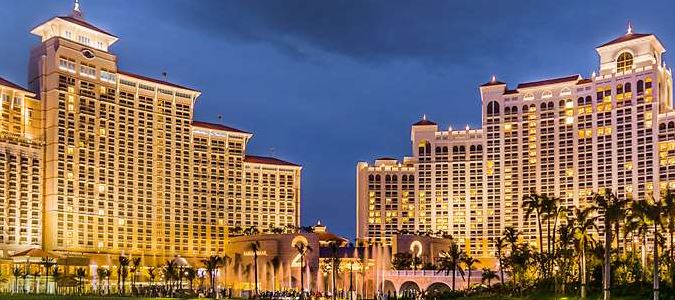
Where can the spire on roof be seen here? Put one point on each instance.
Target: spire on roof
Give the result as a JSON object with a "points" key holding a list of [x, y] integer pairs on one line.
{"points": [[630, 28], [424, 116], [76, 9], [494, 78]]}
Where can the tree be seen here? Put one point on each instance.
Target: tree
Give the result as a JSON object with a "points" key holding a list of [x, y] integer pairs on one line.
{"points": [[190, 275], [211, 265], [500, 244], [450, 261], [123, 271], [152, 274], [255, 248], [582, 221], [613, 209], [669, 211], [638, 224], [302, 249], [135, 266], [80, 273], [103, 273], [402, 261], [47, 262], [56, 273], [335, 260], [488, 275], [535, 203], [17, 272], [654, 211], [468, 263]]}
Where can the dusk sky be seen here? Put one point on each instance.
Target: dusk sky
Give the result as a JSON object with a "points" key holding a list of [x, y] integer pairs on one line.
{"points": [[329, 83]]}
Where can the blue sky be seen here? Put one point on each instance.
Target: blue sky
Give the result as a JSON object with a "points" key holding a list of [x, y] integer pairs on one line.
{"points": [[329, 83]]}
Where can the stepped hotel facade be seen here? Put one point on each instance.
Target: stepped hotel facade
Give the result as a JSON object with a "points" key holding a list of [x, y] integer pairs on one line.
{"points": [[96, 161], [565, 137]]}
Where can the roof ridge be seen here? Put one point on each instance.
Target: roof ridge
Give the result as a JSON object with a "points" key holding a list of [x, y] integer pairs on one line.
{"points": [[155, 80]]}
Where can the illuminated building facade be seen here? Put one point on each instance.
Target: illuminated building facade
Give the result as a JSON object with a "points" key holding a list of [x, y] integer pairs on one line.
{"points": [[108, 162], [564, 137], [20, 170]]}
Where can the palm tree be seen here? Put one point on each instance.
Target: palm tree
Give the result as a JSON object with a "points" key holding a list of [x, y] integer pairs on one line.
{"points": [[638, 224], [582, 221], [669, 210], [211, 265], [56, 273], [169, 272], [500, 244], [103, 273], [468, 263], [152, 274], [190, 275], [80, 273], [654, 210], [302, 250], [450, 262], [255, 248], [123, 272], [535, 203], [47, 262], [16, 272], [335, 260], [488, 275], [135, 266], [511, 236], [613, 209]]}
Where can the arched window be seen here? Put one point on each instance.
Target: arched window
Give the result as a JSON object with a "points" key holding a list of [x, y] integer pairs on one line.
{"points": [[543, 106], [378, 178], [624, 62], [662, 126], [514, 110], [580, 101], [387, 178], [493, 108], [394, 178], [507, 110], [550, 105], [619, 89], [371, 177], [626, 87], [640, 87], [589, 99], [671, 125]]}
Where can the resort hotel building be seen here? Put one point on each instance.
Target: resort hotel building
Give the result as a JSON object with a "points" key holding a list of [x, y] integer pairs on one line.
{"points": [[564, 137], [96, 162]]}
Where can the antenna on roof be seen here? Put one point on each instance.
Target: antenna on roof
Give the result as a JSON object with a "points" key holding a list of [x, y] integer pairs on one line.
{"points": [[220, 118], [630, 28], [494, 78], [166, 76], [424, 116], [76, 9]]}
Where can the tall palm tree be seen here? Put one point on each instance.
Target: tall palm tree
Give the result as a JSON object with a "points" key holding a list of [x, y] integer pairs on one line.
{"points": [[169, 271], [654, 210], [80, 273], [669, 211], [56, 273], [152, 274], [582, 221], [190, 275], [500, 244], [535, 204], [488, 275], [211, 265], [450, 261], [511, 236], [135, 266], [123, 270], [468, 263], [47, 262], [103, 273], [16, 272], [302, 250], [255, 248], [614, 212], [335, 260], [637, 224]]}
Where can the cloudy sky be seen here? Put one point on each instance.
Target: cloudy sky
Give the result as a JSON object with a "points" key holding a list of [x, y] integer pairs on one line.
{"points": [[329, 83]]}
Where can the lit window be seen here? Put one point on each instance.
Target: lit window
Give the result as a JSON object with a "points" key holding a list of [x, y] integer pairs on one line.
{"points": [[87, 71], [624, 62], [108, 76], [67, 65]]}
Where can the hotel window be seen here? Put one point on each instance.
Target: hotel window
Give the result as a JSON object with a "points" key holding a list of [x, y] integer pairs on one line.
{"points": [[67, 65], [87, 71], [108, 76], [624, 62], [84, 40]]}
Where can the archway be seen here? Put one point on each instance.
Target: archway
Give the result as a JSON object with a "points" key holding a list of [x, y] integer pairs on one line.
{"points": [[409, 290], [389, 288], [438, 288]]}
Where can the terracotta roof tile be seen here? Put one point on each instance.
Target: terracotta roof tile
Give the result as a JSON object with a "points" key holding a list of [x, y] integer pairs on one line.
{"points": [[141, 77], [575, 77], [217, 127], [13, 85], [424, 122], [626, 37], [268, 160]]}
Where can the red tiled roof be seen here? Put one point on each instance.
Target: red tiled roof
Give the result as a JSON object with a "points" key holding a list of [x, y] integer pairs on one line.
{"points": [[83, 23], [585, 80], [424, 122], [574, 77], [626, 37], [216, 126], [490, 83], [268, 160], [155, 80], [10, 84]]}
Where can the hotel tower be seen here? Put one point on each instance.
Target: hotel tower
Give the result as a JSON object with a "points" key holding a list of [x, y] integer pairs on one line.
{"points": [[96, 161], [565, 137]]}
